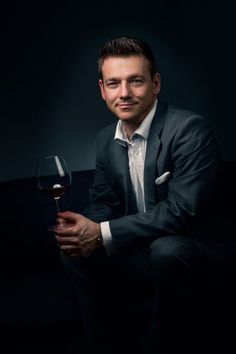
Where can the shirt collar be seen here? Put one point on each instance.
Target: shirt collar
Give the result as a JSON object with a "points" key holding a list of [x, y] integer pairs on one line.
{"points": [[143, 130]]}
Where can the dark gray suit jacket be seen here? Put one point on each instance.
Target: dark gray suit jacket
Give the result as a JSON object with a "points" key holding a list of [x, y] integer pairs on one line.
{"points": [[179, 142]]}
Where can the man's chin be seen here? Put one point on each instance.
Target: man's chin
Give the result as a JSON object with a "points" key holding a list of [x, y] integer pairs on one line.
{"points": [[125, 114], [126, 117]]}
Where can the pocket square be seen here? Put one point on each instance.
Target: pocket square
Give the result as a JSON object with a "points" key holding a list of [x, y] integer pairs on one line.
{"points": [[162, 178]]}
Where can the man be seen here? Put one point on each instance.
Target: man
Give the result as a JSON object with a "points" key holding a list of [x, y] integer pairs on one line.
{"points": [[156, 172]]}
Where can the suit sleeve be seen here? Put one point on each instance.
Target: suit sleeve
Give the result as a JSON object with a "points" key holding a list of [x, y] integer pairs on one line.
{"points": [[195, 160]]}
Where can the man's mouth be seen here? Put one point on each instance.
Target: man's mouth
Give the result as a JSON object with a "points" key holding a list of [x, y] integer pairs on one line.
{"points": [[126, 104]]}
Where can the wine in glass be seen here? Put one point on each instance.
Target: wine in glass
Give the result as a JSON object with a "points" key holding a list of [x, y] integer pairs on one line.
{"points": [[53, 179]]}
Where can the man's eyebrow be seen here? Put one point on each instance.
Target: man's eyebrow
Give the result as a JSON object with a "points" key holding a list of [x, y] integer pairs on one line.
{"points": [[133, 76], [111, 79], [136, 76]]}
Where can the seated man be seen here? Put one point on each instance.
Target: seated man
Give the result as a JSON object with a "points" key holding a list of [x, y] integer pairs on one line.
{"points": [[149, 212]]}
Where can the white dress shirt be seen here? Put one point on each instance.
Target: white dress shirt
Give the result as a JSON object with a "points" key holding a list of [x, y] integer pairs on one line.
{"points": [[136, 154]]}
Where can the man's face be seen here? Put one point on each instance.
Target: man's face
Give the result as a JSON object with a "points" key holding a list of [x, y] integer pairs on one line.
{"points": [[128, 88]]}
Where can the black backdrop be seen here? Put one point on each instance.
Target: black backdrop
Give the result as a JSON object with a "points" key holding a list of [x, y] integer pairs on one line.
{"points": [[50, 101]]}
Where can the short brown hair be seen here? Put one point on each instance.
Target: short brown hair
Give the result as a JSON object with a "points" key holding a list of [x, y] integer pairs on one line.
{"points": [[125, 47]]}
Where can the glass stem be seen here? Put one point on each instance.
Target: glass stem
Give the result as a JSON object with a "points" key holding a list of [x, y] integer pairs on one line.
{"points": [[58, 210], [57, 205]]}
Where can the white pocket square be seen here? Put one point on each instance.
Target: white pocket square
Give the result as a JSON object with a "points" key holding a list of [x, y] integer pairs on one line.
{"points": [[162, 178]]}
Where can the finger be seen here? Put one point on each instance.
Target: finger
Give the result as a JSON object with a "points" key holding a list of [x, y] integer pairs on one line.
{"points": [[73, 241], [69, 215], [69, 249], [75, 253], [68, 230], [71, 252]]}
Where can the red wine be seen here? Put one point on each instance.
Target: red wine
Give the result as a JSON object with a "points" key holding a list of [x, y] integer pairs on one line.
{"points": [[56, 191]]}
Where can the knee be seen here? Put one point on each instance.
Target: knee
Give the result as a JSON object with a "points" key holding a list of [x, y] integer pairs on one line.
{"points": [[164, 248]]}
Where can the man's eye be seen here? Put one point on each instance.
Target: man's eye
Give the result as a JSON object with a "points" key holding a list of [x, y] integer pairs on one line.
{"points": [[136, 82], [112, 84]]}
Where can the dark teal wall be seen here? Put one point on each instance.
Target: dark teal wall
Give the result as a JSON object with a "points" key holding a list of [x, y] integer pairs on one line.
{"points": [[50, 101]]}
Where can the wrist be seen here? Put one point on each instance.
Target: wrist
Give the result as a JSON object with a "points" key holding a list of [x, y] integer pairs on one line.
{"points": [[99, 236]]}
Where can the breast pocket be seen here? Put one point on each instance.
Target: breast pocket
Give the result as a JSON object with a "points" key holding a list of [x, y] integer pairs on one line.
{"points": [[162, 185]]}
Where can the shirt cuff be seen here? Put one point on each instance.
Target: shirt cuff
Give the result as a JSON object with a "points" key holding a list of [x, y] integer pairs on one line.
{"points": [[107, 237]]}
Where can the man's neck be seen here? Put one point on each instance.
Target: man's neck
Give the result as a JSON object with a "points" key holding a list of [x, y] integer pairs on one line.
{"points": [[130, 127]]}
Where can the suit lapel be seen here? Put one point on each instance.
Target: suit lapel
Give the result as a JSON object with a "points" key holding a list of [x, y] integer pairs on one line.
{"points": [[121, 168], [119, 158], [152, 152]]}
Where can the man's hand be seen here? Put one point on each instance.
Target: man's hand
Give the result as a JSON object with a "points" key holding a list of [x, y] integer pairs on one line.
{"points": [[80, 239]]}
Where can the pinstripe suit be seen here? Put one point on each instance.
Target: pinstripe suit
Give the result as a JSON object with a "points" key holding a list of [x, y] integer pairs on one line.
{"points": [[156, 248], [179, 142]]}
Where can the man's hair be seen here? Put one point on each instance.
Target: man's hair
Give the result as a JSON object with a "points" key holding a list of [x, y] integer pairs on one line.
{"points": [[124, 47]]}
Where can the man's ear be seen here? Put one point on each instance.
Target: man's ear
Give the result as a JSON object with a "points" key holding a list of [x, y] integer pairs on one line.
{"points": [[157, 83], [102, 89]]}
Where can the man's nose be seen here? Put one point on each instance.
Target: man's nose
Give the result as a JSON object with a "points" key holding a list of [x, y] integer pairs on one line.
{"points": [[124, 90]]}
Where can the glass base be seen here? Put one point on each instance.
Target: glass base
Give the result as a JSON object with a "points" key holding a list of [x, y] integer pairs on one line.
{"points": [[61, 226]]}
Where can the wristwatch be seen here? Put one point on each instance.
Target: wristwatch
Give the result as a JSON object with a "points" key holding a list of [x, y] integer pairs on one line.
{"points": [[99, 241]]}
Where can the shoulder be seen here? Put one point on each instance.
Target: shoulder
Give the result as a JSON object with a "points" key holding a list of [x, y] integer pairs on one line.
{"points": [[178, 119], [108, 130], [106, 135], [183, 127], [179, 114]]}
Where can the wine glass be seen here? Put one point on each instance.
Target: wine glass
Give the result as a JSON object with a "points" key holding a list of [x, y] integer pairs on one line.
{"points": [[54, 179]]}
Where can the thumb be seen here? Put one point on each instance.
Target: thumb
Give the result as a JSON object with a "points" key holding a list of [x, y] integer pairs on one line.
{"points": [[69, 215]]}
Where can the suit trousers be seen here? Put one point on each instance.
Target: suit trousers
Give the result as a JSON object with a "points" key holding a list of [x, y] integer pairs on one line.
{"points": [[112, 294]]}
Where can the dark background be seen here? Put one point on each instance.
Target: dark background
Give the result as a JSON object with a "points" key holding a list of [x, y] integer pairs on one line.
{"points": [[50, 100]]}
